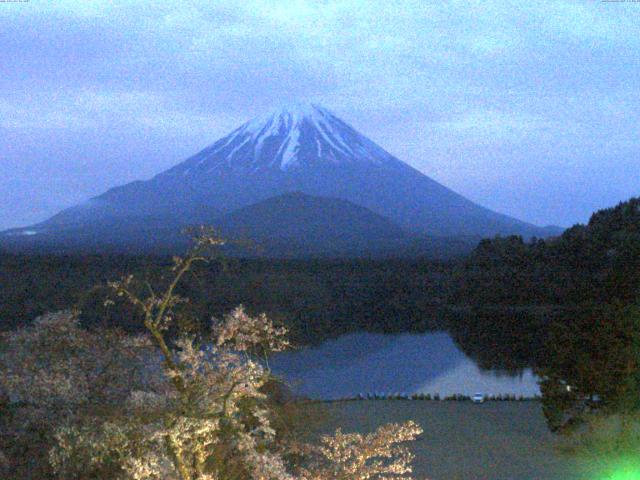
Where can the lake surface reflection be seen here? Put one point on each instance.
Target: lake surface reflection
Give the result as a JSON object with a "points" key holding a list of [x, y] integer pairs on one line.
{"points": [[400, 363]]}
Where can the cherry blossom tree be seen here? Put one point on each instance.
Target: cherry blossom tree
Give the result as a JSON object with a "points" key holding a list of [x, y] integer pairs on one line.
{"points": [[173, 404]]}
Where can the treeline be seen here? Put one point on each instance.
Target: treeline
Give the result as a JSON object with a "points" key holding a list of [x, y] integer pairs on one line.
{"points": [[594, 262], [568, 306], [316, 299]]}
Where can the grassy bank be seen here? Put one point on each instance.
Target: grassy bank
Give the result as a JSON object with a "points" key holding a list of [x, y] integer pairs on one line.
{"points": [[461, 440]]}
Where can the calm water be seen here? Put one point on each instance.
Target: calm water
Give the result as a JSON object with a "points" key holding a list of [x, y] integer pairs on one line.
{"points": [[403, 363]]}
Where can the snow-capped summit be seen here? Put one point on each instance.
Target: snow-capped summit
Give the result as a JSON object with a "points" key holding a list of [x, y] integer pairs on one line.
{"points": [[289, 137]]}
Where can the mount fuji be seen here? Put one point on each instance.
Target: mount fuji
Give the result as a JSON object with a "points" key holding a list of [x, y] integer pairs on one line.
{"points": [[302, 148]]}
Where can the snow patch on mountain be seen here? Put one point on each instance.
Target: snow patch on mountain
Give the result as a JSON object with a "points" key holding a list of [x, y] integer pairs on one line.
{"points": [[24, 233], [290, 137]]}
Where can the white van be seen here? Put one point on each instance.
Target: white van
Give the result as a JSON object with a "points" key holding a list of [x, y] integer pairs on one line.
{"points": [[478, 398]]}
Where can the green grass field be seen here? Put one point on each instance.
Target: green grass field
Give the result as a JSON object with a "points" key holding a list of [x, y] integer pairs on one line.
{"points": [[461, 440]]}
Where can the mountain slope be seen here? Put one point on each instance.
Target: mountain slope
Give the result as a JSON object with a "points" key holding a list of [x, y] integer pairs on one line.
{"points": [[296, 224], [297, 215], [302, 148], [306, 148], [291, 225]]}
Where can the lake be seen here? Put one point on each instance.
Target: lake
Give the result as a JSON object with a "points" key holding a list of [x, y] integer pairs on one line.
{"points": [[362, 363]]}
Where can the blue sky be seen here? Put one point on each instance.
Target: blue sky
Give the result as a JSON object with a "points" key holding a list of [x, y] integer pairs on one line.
{"points": [[529, 108]]}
